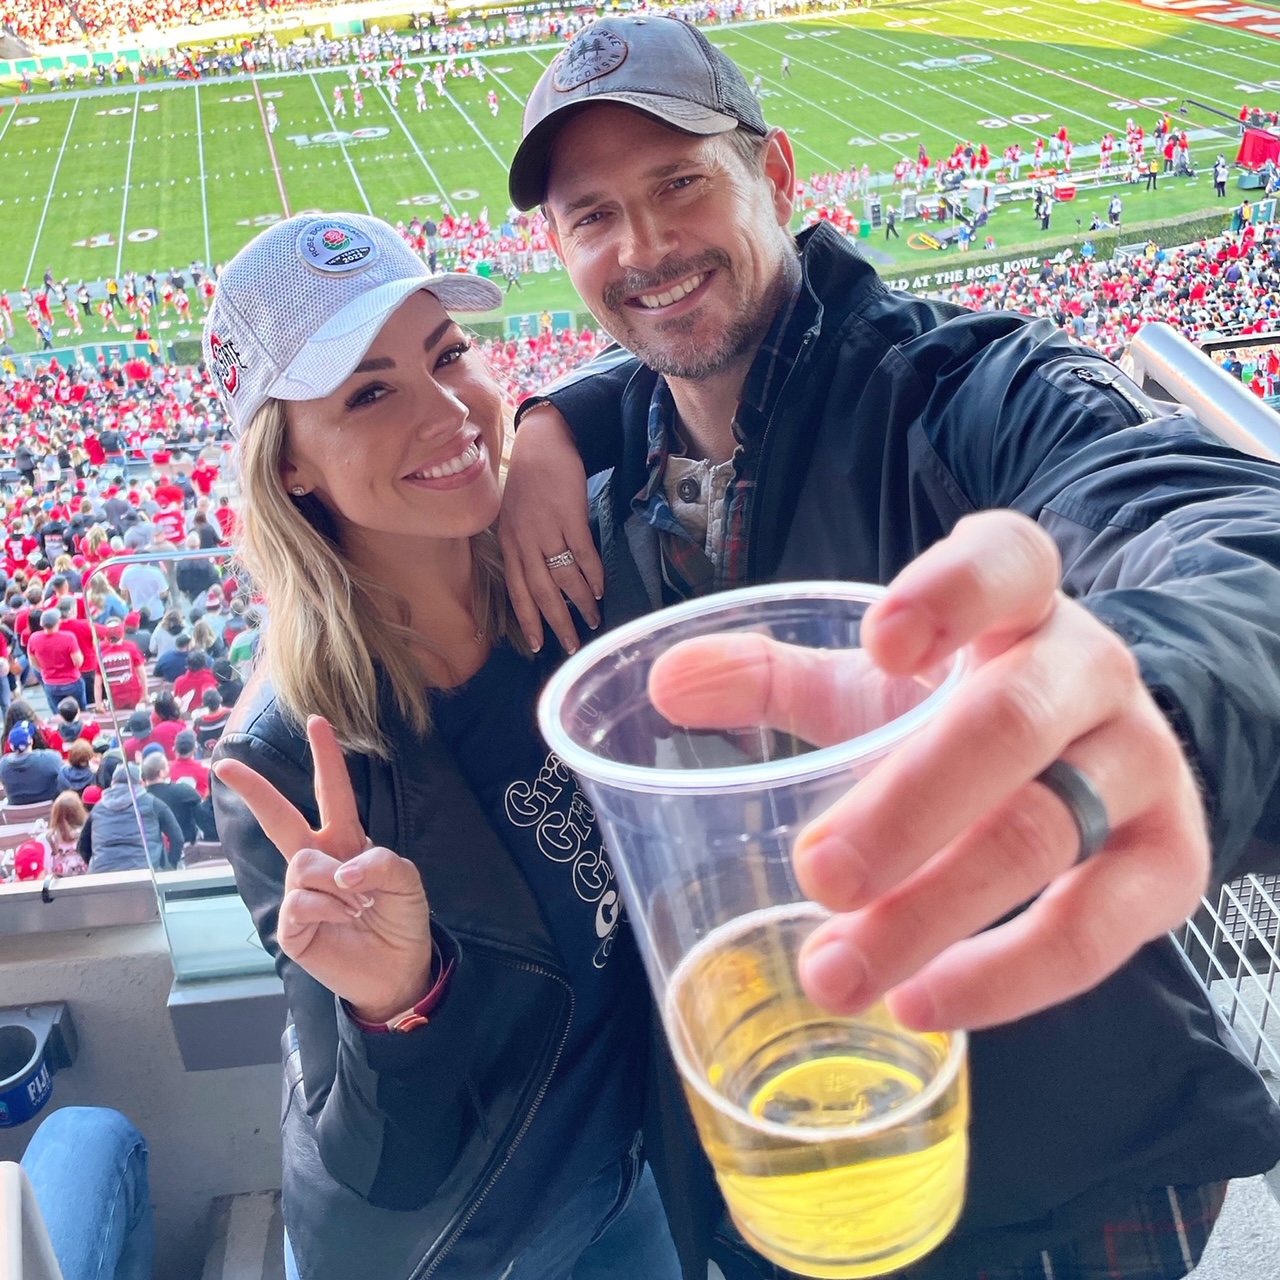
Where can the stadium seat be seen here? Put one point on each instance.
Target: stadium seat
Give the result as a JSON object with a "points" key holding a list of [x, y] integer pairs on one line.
{"points": [[26, 812]]}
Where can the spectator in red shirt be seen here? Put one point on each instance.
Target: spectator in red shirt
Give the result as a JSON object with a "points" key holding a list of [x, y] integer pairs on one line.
{"points": [[168, 722], [83, 630], [55, 654], [203, 476], [168, 494], [225, 517], [170, 521], [189, 687], [123, 676], [138, 735], [186, 767]]}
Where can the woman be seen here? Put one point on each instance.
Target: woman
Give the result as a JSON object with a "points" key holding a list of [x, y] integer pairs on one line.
{"points": [[102, 601], [466, 1054], [204, 638], [165, 636]]}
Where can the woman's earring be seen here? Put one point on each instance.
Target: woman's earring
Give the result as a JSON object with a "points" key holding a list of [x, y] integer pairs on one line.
{"points": [[298, 491]]}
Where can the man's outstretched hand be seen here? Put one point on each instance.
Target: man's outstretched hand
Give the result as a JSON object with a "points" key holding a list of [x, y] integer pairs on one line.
{"points": [[952, 832]]}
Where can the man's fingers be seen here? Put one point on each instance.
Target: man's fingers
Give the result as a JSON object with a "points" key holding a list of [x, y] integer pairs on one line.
{"points": [[335, 797], [736, 681], [993, 579], [284, 826], [1084, 926], [1024, 708], [999, 863]]}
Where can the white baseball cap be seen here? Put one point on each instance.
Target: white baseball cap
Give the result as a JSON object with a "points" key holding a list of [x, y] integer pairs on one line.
{"points": [[299, 305]]}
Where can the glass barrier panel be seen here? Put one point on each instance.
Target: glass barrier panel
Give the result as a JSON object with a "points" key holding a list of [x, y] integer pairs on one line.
{"points": [[173, 638]]}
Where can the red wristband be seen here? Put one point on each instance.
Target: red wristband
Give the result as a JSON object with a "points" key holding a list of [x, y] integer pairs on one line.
{"points": [[417, 1016]]}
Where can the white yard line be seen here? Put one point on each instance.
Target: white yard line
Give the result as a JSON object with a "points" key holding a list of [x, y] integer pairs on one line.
{"points": [[1002, 82], [355, 177], [271, 149], [1120, 70], [8, 120], [1268, 64], [53, 179], [204, 195], [502, 164], [844, 119], [1152, 53], [413, 142], [128, 170]]}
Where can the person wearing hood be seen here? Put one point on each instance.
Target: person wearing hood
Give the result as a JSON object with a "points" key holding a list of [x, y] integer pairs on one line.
{"points": [[130, 829]]}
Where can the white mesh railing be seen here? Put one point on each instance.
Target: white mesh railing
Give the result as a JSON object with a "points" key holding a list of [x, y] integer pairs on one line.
{"points": [[1232, 946]]}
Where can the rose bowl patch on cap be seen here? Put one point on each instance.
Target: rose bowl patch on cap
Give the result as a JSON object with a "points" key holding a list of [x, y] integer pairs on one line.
{"points": [[335, 247]]}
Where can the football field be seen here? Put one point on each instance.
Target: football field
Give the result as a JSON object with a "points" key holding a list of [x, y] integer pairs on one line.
{"points": [[101, 181]]}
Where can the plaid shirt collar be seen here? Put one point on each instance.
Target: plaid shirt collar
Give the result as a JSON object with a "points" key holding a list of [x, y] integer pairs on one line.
{"points": [[687, 569]]}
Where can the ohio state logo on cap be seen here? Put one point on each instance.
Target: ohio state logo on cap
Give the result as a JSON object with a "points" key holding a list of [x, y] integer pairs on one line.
{"points": [[227, 362], [591, 55], [335, 248]]}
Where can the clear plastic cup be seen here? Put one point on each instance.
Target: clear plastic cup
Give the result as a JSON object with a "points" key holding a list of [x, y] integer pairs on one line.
{"points": [[839, 1142]]}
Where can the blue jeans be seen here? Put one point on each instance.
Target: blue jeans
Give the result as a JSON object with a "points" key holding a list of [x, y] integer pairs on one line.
{"points": [[614, 1229], [88, 1166], [56, 692]]}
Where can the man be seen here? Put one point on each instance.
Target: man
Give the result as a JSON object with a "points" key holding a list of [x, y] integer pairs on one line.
{"points": [[1115, 210], [185, 768], [181, 798], [853, 431], [29, 776], [123, 676], [1220, 172], [57, 658], [132, 831], [147, 587]]}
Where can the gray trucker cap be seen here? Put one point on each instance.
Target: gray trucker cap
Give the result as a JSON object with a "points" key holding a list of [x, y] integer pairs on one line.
{"points": [[661, 66]]}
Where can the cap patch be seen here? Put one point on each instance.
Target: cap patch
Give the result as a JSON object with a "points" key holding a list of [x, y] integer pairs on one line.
{"points": [[593, 54], [335, 248], [227, 362]]}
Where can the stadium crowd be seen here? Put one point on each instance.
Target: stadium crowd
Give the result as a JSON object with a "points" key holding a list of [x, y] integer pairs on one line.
{"points": [[54, 22], [98, 463]]}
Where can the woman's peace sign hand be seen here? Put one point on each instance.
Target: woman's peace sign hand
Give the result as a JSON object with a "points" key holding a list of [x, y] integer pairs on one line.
{"points": [[353, 916]]}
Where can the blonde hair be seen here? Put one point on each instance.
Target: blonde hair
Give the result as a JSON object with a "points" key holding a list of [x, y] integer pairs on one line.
{"points": [[95, 539], [331, 626], [203, 635]]}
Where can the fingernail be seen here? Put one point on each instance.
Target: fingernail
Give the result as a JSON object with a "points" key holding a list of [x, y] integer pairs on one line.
{"points": [[834, 975], [571, 647], [354, 912], [348, 876], [913, 1006], [535, 646], [595, 626], [903, 635], [365, 900], [599, 595], [823, 865]]}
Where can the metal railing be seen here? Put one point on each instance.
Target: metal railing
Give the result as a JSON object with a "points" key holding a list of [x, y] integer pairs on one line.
{"points": [[1168, 367], [1232, 942]]}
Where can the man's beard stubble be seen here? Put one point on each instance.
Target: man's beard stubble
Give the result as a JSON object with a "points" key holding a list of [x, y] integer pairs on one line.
{"points": [[696, 362]]}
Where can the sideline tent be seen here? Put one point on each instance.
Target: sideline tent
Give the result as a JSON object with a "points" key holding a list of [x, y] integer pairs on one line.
{"points": [[1257, 147]]}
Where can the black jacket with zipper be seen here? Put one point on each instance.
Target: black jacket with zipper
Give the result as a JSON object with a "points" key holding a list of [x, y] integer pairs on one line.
{"points": [[899, 417]]}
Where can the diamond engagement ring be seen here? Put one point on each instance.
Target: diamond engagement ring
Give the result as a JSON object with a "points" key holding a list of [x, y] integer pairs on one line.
{"points": [[562, 560]]}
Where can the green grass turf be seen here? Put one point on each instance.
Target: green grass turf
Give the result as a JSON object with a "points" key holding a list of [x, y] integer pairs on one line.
{"points": [[155, 176]]}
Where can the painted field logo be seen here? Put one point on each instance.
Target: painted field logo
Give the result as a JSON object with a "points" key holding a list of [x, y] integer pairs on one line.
{"points": [[227, 362], [335, 248]]}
